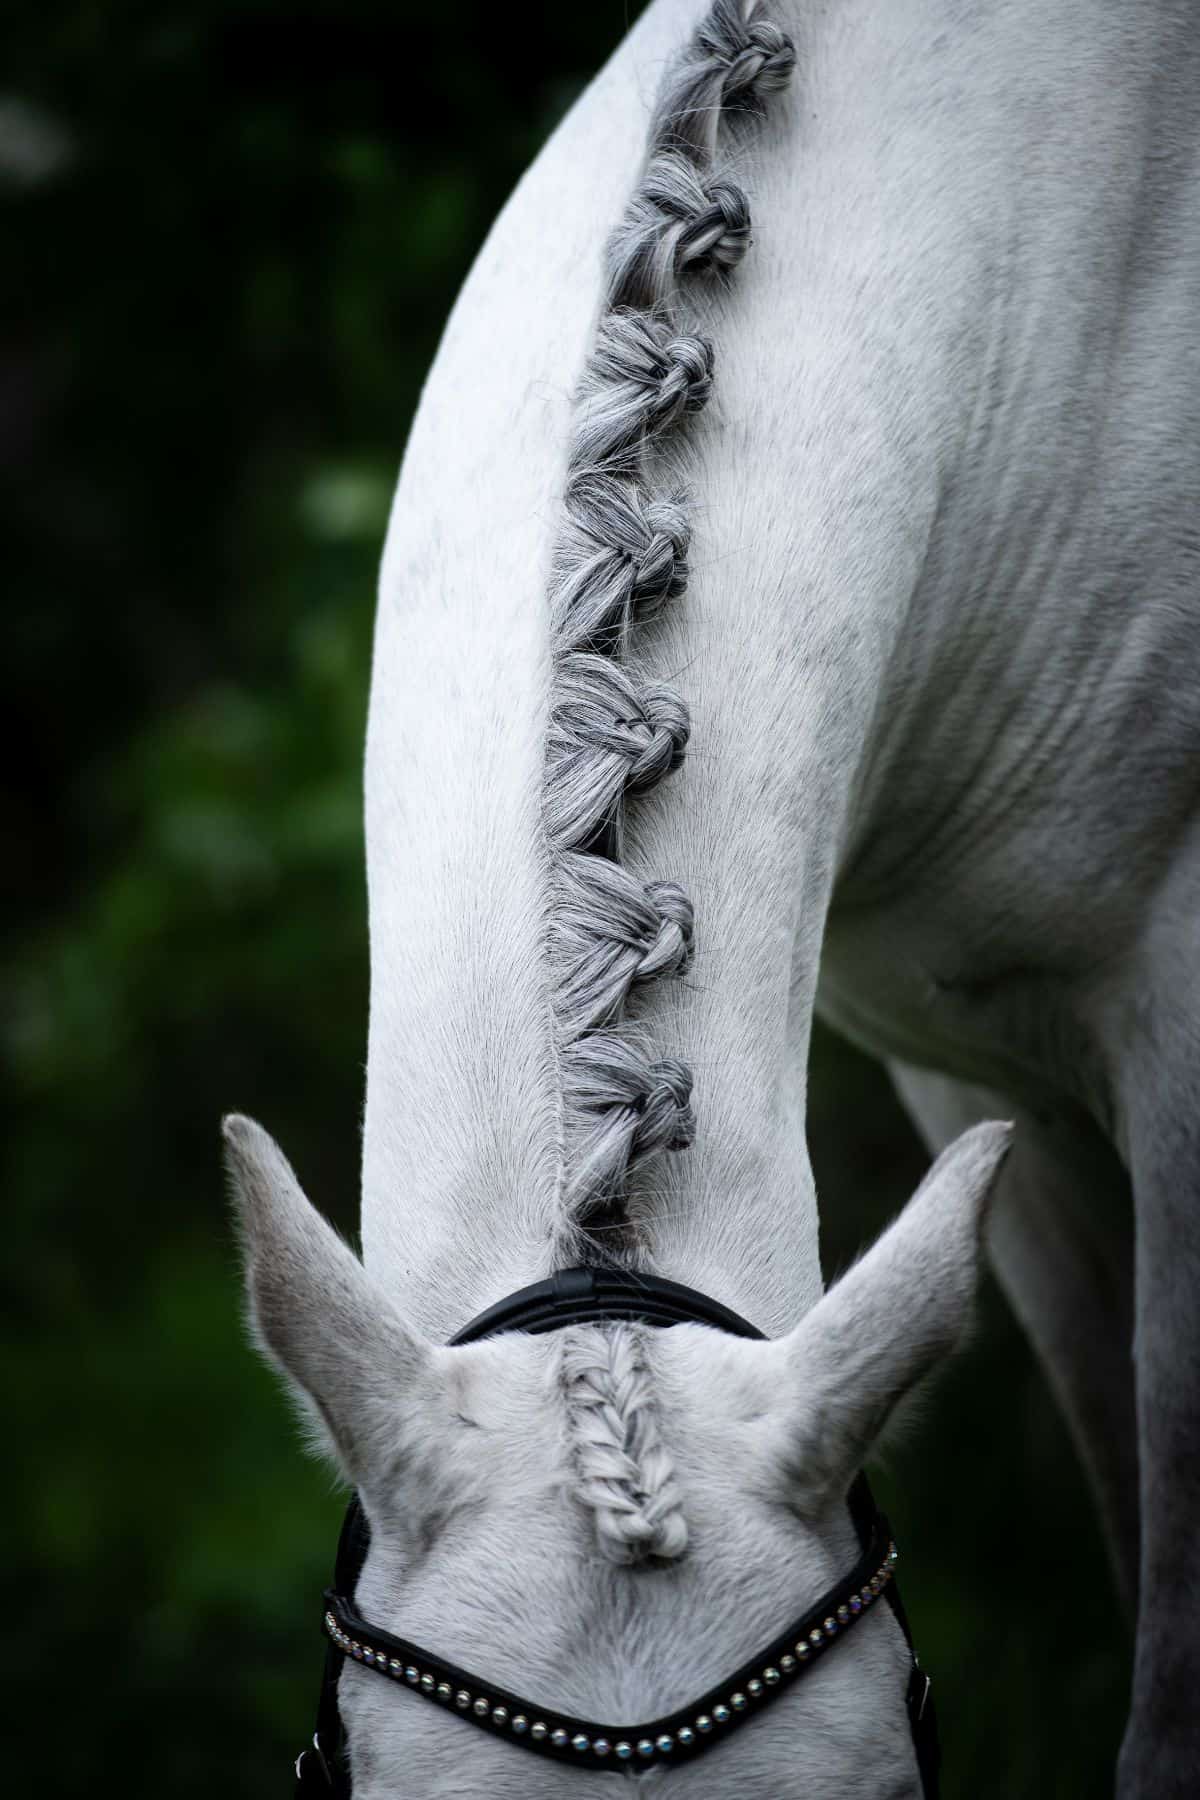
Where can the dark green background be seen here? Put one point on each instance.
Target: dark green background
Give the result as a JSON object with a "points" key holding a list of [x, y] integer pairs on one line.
{"points": [[233, 232]]}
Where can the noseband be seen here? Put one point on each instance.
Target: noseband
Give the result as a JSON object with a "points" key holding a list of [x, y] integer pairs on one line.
{"points": [[585, 1297]]}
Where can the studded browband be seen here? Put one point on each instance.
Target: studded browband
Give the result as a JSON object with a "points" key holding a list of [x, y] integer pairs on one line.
{"points": [[590, 1296]]}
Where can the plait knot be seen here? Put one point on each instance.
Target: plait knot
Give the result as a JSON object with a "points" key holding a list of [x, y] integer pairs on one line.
{"points": [[642, 378], [711, 218], [685, 382], [661, 569], [611, 932], [762, 65], [670, 951], [607, 736], [718, 237], [663, 731], [666, 1120], [623, 557], [622, 1109], [678, 223]]}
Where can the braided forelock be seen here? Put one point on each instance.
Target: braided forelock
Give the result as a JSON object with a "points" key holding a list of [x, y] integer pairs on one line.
{"points": [[626, 1474]]}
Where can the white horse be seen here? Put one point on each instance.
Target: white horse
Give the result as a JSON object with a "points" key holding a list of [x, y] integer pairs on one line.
{"points": [[941, 653]]}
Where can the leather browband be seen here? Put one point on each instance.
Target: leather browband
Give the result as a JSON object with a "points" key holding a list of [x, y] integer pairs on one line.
{"points": [[591, 1296]]}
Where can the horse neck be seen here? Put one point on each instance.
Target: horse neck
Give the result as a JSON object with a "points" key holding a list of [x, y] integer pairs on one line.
{"points": [[807, 547], [782, 648], [782, 660]]}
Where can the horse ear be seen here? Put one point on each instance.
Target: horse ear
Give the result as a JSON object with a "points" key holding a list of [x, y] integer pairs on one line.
{"points": [[350, 1361], [902, 1308]]}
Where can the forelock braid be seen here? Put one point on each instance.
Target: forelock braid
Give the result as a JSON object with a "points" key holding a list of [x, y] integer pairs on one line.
{"points": [[621, 554], [626, 1475]]}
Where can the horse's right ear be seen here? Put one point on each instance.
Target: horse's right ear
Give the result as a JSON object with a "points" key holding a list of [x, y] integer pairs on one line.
{"points": [[899, 1311], [346, 1354]]}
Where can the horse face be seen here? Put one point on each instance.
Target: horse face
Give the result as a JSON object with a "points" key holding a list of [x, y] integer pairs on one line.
{"points": [[489, 1556], [491, 1543]]}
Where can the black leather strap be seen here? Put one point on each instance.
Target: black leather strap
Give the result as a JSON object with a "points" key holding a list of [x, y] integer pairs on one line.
{"points": [[324, 1768], [602, 1296], [671, 1738]]}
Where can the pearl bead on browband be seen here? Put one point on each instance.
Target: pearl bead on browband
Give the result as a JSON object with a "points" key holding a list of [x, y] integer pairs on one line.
{"points": [[583, 1741]]}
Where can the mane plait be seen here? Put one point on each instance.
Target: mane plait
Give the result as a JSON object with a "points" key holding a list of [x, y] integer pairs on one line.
{"points": [[621, 555]]}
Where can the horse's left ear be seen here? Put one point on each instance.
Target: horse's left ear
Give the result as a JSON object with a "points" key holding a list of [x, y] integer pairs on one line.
{"points": [[365, 1379], [901, 1309]]}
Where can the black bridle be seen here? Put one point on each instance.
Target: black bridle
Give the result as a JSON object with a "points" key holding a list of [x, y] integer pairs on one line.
{"points": [[606, 1296]]}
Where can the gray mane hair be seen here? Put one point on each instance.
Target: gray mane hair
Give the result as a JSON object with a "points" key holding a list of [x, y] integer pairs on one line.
{"points": [[625, 1471], [621, 555]]}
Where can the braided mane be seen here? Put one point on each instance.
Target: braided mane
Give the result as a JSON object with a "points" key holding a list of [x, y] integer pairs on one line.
{"points": [[620, 556]]}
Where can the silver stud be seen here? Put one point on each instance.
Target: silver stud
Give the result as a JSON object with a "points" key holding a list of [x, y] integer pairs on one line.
{"points": [[482, 1708], [787, 1663], [843, 1614], [803, 1650], [685, 1735], [499, 1715], [816, 1637], [356, 1650], [444, 1690], [623, 1750], [537, 1731], [520, 1724], [645, 1747], [462, 1699], [831, 1626], [601, 1747], [581, 1742], [428, 1683], [754, 1688], [771, 1675], [704, 1722], [738, 1702], [721, 1715], [665, 1743], [368, 1655], [559, 1739], [395, 1668], [412, 1676]]}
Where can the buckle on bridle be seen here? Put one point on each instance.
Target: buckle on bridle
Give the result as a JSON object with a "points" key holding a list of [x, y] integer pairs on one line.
{"points": [[921, 1693], [313, 1758]]}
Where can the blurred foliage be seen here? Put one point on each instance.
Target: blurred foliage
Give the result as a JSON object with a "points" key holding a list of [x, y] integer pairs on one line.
{"points": [[239, 230]]}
